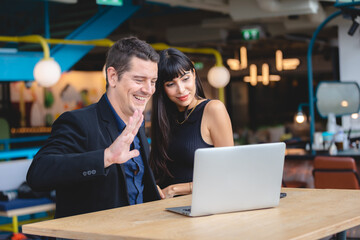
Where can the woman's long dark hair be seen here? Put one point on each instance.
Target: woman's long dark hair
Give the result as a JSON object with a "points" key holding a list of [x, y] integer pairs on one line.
{"points": [[173, 63]]}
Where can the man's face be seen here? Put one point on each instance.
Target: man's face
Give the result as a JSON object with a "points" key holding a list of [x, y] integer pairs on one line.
{"points": [[134, 89]]}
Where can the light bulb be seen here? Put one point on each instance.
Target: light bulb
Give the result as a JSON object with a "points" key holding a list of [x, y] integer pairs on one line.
{"points": [[300, 117], [218, 76], [47, 72], [234, 64], [355, 116], [344, 103]]}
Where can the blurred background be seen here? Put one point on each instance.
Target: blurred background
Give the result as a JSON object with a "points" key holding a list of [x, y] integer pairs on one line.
{"points": [[246, 33]]}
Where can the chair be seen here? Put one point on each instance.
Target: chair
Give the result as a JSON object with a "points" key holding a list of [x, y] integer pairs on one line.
{"points": [[335, 172], [338, 173], [294, 184]]}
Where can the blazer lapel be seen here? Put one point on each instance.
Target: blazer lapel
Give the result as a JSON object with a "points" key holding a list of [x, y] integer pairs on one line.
{"points": [[108, 118]]}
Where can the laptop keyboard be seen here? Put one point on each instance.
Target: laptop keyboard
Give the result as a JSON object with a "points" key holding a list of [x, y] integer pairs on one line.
{"points": [[187, 209]]}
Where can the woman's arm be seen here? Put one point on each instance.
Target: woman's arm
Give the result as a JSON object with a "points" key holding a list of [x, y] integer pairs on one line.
{"points": [[177, 189], [216, 126]]}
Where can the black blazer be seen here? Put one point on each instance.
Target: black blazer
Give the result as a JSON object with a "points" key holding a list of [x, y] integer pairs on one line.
{"points": [[72, 163]]}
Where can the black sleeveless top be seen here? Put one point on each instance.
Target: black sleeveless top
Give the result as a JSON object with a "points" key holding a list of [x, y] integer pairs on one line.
{"points": [[184, 140]]}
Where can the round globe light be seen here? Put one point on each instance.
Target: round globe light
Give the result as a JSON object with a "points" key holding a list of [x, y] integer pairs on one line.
{"points": [[218, 76], [47, 72], [300, 117]]}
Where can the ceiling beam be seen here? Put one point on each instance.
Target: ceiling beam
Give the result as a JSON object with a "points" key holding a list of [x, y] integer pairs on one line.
{"points": [[19, 66]]}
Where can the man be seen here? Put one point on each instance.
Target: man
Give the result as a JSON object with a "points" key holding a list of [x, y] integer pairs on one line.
{"points": [[97, 157]]}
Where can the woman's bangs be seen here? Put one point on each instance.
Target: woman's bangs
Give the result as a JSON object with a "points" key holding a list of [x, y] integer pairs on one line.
{"points": [[177, 68]]}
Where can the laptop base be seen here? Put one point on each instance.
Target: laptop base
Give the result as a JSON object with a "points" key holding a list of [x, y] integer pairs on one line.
{"points": [[184, 210]]}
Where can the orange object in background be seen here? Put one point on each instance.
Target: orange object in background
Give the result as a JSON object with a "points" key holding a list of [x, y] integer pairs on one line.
{"points": [[335, 172], [18, 236]]}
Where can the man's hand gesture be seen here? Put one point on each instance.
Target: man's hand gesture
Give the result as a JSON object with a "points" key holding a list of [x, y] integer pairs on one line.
{"points": [[119, 150]]}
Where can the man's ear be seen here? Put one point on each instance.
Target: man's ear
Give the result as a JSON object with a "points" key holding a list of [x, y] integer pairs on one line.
{"points": [[112, 76]]}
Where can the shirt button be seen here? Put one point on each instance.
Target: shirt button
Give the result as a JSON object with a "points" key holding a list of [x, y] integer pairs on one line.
{"points": [[89, 172], [93, 171], [84, 173]]}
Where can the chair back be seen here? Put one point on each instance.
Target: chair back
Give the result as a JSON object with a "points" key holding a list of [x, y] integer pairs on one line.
{"points": [[335, 172]]}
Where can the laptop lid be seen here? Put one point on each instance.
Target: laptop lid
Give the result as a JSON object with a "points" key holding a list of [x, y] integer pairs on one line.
{"points": [[228, 179]]}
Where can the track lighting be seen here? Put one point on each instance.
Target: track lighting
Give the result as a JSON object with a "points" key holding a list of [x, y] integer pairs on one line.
{"points": [[354, 25]]}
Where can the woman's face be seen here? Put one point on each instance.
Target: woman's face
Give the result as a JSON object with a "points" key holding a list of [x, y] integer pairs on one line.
{"points": [[181, 90]]}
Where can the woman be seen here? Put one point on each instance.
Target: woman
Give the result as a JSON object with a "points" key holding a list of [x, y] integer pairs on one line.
{"points": [[183, 120]]}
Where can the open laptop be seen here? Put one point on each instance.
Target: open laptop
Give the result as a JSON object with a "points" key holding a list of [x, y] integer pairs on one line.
{"points": [[238, 178]]}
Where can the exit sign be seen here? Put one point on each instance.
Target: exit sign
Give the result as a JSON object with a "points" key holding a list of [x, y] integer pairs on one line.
{"points": [[110, 2], [250, 34]]}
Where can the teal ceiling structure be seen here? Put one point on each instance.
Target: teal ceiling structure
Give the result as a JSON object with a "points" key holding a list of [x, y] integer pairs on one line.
{"points": [[18, 66]]}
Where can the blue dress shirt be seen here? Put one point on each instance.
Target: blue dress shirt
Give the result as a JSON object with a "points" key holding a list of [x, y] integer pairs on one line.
{"points": [[134, 168]]}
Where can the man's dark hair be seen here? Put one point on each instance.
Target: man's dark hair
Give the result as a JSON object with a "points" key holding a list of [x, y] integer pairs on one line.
{"points": [[121, 52]]}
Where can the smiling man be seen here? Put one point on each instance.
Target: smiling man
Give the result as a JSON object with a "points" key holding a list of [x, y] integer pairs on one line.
{"points": [[97, 157]]}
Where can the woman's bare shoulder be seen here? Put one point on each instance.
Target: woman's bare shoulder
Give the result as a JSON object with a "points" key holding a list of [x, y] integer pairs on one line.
{"points": [[214, 106]]}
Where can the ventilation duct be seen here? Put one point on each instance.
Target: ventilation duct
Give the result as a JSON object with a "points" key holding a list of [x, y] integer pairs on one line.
{"points": [[303, 6], [241, 10]]}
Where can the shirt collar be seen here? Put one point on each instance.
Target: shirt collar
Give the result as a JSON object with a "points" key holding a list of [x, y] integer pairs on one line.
{"points": [[120, 123]]}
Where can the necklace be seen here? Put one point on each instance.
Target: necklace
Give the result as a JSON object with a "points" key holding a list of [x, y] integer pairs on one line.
{"points": [[197, 102]]}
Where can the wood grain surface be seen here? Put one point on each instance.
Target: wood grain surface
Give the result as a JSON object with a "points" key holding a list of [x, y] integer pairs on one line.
{"points": [[303, 214]]}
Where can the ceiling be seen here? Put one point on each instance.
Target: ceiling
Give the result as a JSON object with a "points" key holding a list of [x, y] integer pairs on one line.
{"points": [[282, 24]]}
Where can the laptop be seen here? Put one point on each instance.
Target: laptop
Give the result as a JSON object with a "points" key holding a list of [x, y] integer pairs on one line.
{"points": [[237, 178]]}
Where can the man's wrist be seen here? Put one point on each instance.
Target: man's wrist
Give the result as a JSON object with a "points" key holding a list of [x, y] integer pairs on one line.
{"points": [[107, 158]]}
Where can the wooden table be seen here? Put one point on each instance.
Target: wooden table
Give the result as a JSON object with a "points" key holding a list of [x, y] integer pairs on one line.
{"points": [[303, 214]]}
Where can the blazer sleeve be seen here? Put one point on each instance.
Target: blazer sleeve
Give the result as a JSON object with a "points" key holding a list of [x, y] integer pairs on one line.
{"points": [[67, 157]]}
